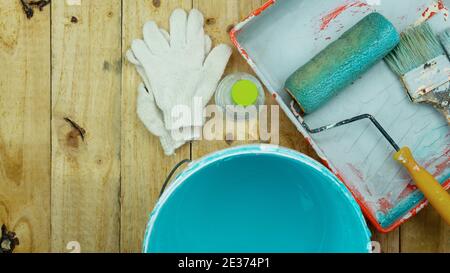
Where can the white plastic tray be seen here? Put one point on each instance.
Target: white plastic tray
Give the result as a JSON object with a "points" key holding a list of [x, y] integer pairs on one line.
{"points": [[285, 34]]}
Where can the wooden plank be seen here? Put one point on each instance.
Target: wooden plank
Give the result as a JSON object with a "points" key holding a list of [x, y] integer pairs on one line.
{"points": [[220, 17], [144, 165], [86, 181], [389, 243], [25, 126], [86, 46], [426, 233]]}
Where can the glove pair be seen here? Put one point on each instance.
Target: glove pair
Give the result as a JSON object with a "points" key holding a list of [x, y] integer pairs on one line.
{"points": [[180, 74]]}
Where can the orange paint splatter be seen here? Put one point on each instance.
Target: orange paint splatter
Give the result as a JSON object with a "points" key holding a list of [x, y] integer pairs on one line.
{"points": [[331, 16], [327, 19], [385, 205], [244, 52], [441, 168], [434, 9], [356, 172], [359, 5]]}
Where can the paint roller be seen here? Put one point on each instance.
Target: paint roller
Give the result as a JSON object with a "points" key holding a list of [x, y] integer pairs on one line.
{"points": [[340, 64]]}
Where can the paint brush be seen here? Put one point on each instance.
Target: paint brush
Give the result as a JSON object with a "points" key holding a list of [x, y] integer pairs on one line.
{"points": [[421, 63], [445, 41]]}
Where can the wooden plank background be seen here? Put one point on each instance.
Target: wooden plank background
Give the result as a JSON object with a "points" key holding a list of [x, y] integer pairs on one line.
{"points": [[76, 165]]}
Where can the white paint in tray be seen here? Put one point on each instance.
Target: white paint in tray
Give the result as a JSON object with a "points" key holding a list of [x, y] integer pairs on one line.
{"points": [[290, 33]]}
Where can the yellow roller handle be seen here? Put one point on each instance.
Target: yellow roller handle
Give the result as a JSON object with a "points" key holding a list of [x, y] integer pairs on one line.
{"points": [[430, 187]]}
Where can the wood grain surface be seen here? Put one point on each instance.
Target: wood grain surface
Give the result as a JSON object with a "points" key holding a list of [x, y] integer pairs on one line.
{"points": [[86, 137], [144, 165], [76, 164], [25, 116]]}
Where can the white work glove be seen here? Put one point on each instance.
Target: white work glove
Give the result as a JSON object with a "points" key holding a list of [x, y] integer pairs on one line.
{"points": [[178, 71], [152, 118], [178, 136]]}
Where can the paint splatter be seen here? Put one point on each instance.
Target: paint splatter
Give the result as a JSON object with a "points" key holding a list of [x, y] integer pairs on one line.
{"points": [[331, 16], [432, 10], [385, 205], [438, 165], [356, 172], [327, 19], [443, 166]]}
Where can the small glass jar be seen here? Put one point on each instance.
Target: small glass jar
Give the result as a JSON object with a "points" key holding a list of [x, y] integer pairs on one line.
{"points": [[239, 92]]}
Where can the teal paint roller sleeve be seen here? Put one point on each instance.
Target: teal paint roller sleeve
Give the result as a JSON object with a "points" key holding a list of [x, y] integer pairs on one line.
{"points": [[342, 62]]}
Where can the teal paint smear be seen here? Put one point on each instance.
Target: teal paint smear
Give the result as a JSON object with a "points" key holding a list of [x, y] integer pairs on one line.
{"points": [[424, 148], [342, 62], [405, 206], [256, 199]]}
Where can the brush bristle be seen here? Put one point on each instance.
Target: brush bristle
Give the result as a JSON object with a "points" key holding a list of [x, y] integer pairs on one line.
{"points": [[445, 40], [418, 45]]}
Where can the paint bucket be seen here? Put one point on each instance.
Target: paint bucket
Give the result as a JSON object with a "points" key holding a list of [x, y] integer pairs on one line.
{"points": [[256, 199]]}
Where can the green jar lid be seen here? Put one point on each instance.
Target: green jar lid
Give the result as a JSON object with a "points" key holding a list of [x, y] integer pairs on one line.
{"points": [[244, 93]]}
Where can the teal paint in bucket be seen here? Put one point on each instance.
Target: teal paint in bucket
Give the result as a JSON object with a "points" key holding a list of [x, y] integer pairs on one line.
{"points": [[257, 199]]}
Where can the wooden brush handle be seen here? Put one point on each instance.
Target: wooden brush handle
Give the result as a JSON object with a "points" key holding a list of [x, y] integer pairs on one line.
{"points": [[431, 188]]}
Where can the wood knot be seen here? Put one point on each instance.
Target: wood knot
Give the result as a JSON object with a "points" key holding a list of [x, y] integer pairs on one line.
{"points": [[210, 21], [106, 66], [29, 5], [156, 3], [117, 66], [74, 20], [8, 241], [77, 132]]}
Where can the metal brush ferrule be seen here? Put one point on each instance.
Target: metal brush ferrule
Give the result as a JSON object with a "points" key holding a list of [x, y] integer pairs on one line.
{"points": [[427, 78]]}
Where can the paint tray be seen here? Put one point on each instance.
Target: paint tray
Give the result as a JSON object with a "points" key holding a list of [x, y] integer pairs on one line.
{"points": [[285, 34]]}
